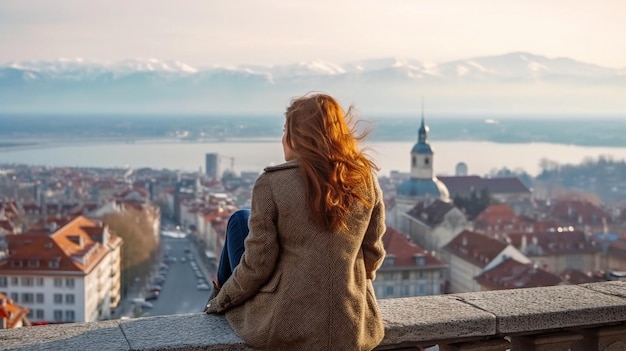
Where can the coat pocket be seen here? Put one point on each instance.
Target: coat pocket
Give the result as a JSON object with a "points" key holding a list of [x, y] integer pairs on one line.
{"points": [[272, 284]]}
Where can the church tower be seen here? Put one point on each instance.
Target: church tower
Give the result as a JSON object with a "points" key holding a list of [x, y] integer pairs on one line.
{"points": [[422, 155], [422, 185]]}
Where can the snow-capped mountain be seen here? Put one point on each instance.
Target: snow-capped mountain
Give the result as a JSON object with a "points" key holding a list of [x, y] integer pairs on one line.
{"points": [[514, 82]]}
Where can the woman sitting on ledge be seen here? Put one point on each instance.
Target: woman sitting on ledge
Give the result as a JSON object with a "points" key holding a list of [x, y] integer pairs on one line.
{"points": [[314, 243]]}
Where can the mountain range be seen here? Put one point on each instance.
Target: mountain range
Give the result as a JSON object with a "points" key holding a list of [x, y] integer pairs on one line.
{"points": [[516, 83]]}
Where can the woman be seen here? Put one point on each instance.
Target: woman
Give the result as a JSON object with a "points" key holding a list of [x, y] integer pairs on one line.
{"points": [[316, 223]]}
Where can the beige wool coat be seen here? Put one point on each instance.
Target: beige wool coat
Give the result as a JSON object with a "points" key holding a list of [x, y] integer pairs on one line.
{"points": [[301, 287]]}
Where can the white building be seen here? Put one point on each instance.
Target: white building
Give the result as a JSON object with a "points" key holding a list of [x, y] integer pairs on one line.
{"points": [[69, 275]]}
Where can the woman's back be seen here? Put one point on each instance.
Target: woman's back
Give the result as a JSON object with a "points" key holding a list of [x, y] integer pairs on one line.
{"points": [[318, 296], [304, 281]]}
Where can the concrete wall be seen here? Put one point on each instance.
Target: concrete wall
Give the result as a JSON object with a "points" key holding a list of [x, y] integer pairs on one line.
{"points": [[591, 315]]}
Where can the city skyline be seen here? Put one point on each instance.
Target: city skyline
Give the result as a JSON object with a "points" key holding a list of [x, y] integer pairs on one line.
{"points": [[212, 33]]}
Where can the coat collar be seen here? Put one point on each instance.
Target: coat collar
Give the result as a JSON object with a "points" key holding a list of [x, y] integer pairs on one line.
{"points": [[284, 165]]}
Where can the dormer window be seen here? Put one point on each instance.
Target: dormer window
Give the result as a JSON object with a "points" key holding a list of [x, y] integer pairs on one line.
{"points": [[389, 261], [54, 263], [420, 260], [17, 264], [33, 263]]}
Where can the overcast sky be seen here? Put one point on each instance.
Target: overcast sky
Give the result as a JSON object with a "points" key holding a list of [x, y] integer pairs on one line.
{"points": [[225, 32]]}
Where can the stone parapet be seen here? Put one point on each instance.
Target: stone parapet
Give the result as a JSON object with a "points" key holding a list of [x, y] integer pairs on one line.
{"points": [[570, 317]]}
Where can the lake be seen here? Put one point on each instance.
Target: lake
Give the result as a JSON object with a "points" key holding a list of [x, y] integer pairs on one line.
{"points": [[481, 157]]}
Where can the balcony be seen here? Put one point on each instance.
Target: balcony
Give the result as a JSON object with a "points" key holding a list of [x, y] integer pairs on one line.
{"points": [[586, 317]]}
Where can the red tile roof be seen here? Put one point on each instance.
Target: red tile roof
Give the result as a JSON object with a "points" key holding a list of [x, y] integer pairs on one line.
{"points": [[552, 243], [511, 274], [479, 249], [70, 248], [499, 218], [12, 312], [405, 252], [573, 211], [576, 276]]}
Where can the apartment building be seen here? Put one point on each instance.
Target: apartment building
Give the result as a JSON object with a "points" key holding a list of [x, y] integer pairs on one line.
{"points": [[69, 274], [408, 270]]}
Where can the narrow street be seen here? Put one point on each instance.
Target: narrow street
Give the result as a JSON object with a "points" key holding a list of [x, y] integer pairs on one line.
{"points": [[179, 291]]}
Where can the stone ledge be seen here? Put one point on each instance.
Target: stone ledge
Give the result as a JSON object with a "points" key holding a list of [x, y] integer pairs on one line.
{"points": [[415, 320]]}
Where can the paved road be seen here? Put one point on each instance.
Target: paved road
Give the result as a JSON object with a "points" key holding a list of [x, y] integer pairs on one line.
{"points": [[179, 293]]}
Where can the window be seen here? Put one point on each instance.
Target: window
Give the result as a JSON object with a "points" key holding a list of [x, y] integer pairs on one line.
{"points": [[69, 299], [379, 292], [58, 298], [28, 298], [14, 297], [58, 282], [39, 314], [4, 282], [406, 290], [58, 315], [421, 289], [389, 261], [406, 275], [15, 281], [413, 162], [426, 161], [40, 298], [388, 276], [69, 282], [53, 264], [437, 289], [39, 281], [16, 264], [33, 263], [390, 291], [69, 316], [27, 281]]}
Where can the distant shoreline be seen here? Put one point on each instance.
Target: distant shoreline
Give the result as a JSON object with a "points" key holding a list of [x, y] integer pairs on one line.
{"points": [[18, 144], [52, 131]]}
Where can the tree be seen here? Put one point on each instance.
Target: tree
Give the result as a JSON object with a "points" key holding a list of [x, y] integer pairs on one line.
{"points": [[139, 250]]}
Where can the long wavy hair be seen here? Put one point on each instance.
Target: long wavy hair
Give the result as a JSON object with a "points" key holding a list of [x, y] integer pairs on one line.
{"points": [[335, 171]]}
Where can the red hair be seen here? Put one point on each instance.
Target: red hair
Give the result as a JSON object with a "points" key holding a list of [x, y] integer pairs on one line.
{"points": [[335, 171]]}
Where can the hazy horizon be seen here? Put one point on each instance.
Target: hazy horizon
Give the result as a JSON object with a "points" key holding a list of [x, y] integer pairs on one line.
{"points": [[240, 32]]}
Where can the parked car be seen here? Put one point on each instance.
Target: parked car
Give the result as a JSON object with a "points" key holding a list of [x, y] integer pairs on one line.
{"points": [[203, 287], [152, 295], [139, 301], [155, 288]]}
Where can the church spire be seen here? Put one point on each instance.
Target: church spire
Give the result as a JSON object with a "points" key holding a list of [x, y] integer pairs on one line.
{"points": [[422, 132]]}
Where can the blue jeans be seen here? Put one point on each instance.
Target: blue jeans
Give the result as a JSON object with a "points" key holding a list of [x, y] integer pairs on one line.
{"points": [[236, 233]]}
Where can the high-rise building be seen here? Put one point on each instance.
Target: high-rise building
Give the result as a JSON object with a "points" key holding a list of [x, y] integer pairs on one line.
{"points": [[211, 165]]}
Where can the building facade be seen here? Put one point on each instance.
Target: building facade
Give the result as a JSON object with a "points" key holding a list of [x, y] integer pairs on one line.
{"points": [[408, 270], [72, 274]]}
